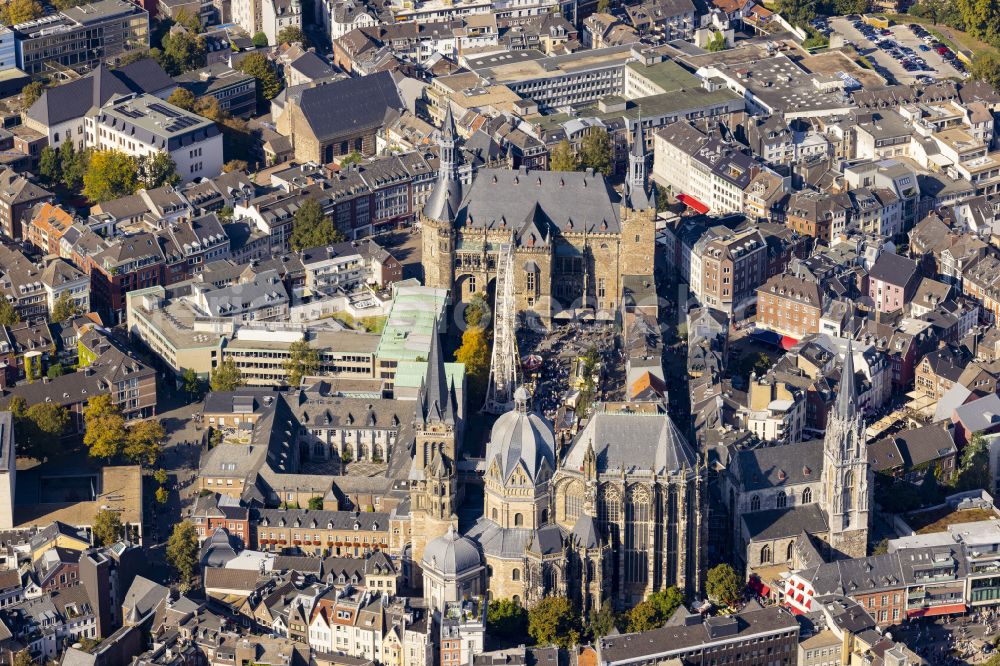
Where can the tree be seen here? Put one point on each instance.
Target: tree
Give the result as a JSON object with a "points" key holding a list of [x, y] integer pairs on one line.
{"points": [[259, 40], [506, 619], [111, 175], [107, 527], [48, 165], [55, 370], [162, 495], [554, 621], [269, 82], [182, 98], [182, 553], [724, 585], [17, 406], [563, 158], [315, 503], [72, 165], [603, 622], [160, 476], [475, 354], [974, 469], [353, 157], [8, 314], [302, 361], [133, 56], [64, 307], [13, 12], [758, 364], [986, 67], [181, 52], [716, 43], [797, 12], [291, 34], [42, 428], [595, 152], [311, 228], [226, 377], [881, 548], [22, 658], [104, 432], [476, 310], [981, 19], [192, 385], [226, 214], [603, 6], [655, 610], [235, 165], [662, 198], [30, 94], [158, 169], [142, 442], [190, 21]]}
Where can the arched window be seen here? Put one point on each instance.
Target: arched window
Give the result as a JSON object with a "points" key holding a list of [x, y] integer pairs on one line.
{"points": [[781, 500], [788, 553], [515, 574], [765, 554], [518, 520], [807, 496], [755, 503], [494, 514], [545, 516]]}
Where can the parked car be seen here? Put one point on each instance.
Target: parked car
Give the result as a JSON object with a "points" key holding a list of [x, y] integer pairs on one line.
{"points": [[924, 47]]}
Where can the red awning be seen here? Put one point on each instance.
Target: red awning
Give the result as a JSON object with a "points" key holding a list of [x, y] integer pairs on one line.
{"points": [[787, 342], [692, 203], [946, 609]]}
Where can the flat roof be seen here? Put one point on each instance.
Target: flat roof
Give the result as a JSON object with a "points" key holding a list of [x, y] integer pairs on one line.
{"points": [[154, 115], [512, 67], [120, 490], [410, 374], [413, 319]]}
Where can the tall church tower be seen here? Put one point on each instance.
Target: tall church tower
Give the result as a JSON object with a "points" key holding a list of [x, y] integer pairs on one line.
{"points": [[437, 220], [638, 213], [847, 475], [433, 486]]}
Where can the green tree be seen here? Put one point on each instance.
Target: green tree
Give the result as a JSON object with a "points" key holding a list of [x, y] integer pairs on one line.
{"points": [[881, 548], [182, 98], [716, 43], [595, 152], [475, 354], [235, 165], [602, 622], [8, 314], [104, 432], [554, 621], [182, 553], [72, 165], [30, 94], [291, 34], [476, 310], [42, 428], [158, 169], [142, 442], [192, 385], [506, 619], [110, 175], [315, 503], [160, 476], [107, 527], [55, 370], [226, 377], [724, 585], [133, 56], [311, 228], [190, 21], [986, 67], [654, 611], [162, 495], [17, 406], [22, 658], [563, 158], [981, 19], [353, 157], [662, 198], [974, 469], [48, 165], [797, 12], [13, 12], [302, 361], [269, 82], [259, 40], [758, 364], [64, 307], [181, 52], [603, 6]]}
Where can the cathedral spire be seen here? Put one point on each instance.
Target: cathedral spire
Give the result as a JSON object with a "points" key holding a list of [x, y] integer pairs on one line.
{"points": [[444, 202], [636, 194], [438, 404], [847, 399]]}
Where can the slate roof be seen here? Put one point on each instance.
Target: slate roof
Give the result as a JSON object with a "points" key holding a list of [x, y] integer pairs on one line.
{"points": [[349, 106], [911, 447], [894, 269], [775, 466], [979, 415], [632, 441], [513, 542], [145, 75], [782, 523]]}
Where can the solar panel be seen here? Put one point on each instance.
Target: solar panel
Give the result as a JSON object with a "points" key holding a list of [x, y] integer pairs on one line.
{"points": [[166, 111]]}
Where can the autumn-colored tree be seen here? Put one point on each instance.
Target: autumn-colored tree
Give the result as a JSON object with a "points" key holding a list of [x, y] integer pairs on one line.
{"points": [[110, 175], [554, 621], [142, 442], [13, 12], [8, 314], [104, 432], [162, 495], [226, 377], [724, 585], [312, 228], [30, 94], [107, 527], [182, 98], [563, 157], [64, 307], [269, 82], [182, 553], [302, 361], [291, 34], [475, 354]]}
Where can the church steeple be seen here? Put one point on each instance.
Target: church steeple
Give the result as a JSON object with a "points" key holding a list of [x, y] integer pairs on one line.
{"points": [[637, 195], [444, 202], [847, 399]]}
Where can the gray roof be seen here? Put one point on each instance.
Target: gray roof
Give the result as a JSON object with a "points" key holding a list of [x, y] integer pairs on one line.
{"points": [[781, 523], [521, 437], [915, 446], [349, 105], [265, 290], [451, 555], [585, 531], [774, 466], [980, 415], [514, 542], [894, 269], [311, 518], [632, 441]]}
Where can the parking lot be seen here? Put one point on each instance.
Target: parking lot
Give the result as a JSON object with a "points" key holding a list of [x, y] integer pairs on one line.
{"points": [[891, 52]]}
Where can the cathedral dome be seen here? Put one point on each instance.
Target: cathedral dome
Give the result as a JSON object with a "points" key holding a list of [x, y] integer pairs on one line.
{"points": [[521, 436], [451, 555]]}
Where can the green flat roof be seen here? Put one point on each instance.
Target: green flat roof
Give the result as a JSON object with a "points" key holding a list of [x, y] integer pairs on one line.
{"points": [[409, 374], [667, 74], [412, 321]]}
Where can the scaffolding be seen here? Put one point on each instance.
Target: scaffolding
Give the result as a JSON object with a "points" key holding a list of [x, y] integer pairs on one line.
{"points": [[504, 364]]}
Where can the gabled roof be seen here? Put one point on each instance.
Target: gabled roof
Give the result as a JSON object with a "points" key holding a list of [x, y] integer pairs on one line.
{"points": [[349, 106]]}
